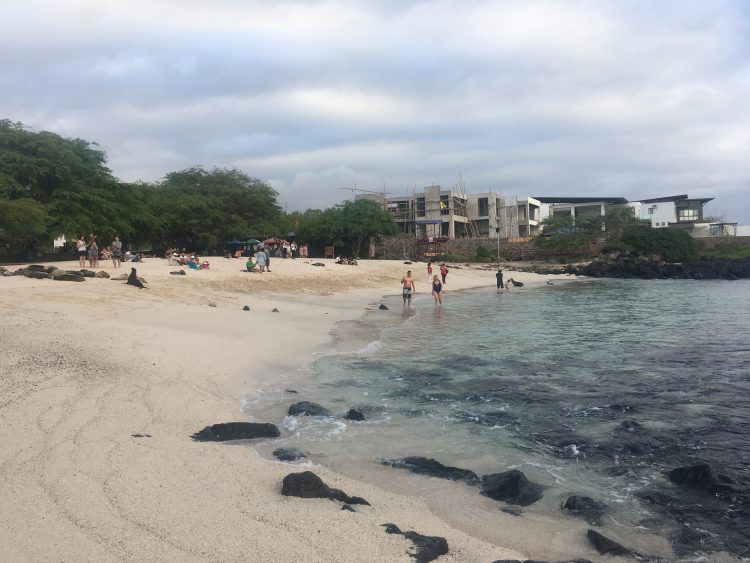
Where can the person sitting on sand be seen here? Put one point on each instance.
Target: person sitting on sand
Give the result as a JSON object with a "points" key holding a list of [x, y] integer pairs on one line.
{"points": [[205, 265], [338, 260], [194, 264], [250, 266]]}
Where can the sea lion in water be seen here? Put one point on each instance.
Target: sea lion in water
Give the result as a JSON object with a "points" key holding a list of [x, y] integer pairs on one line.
{"points": [[133, 279]]}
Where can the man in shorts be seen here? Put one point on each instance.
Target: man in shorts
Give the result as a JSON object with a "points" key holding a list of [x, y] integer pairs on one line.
{"points": [[407, 282]]}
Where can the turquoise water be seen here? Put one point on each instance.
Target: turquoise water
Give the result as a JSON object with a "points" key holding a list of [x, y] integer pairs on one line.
{"points": [[595, 387]]}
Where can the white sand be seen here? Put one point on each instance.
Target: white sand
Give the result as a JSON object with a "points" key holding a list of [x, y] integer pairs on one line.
{"points": [[83, 366]]}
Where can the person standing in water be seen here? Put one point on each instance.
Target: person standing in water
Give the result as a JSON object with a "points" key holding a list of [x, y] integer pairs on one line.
{"points": [[437, 290], [499, 276], [407, 283]]}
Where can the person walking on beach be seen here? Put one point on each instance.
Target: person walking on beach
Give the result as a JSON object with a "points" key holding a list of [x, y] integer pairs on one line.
{"points": [[444, 272], [407, 282], [437, 290], [429, 272], [82, 251], [116, 252], [499, 276]]}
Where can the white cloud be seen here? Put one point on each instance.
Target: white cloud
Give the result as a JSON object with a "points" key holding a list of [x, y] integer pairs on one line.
{"points": [[530, 97]]}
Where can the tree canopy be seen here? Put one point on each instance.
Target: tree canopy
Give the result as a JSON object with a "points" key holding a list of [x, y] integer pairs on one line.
{"points": [[350, 222], [52, 186]]}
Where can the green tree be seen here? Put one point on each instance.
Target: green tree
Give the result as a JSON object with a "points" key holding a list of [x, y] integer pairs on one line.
{"points": [[362, 219], [209, 207]]}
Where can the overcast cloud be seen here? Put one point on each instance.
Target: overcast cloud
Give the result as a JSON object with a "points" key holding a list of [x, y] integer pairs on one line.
{"points": [[581, 98]]}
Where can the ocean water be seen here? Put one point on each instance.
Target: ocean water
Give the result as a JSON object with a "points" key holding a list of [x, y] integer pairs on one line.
{"points": [[596, 387]]}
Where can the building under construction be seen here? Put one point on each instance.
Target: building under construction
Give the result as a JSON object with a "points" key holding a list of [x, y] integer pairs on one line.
{"points": [[436, 212]]}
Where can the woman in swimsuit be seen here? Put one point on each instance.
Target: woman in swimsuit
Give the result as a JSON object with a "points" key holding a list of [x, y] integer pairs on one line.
{"points": [[437, 290]]}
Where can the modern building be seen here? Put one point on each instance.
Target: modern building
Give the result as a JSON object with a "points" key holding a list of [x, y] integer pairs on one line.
{"points": [[579, 206], [676, 212], [440, 212]]}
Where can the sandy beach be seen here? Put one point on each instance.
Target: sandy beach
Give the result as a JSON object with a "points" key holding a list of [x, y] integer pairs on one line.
{"points": [[103, 384]]}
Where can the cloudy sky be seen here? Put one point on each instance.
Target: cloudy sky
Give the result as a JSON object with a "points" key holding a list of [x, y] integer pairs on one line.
{"points": [[619, 98]]}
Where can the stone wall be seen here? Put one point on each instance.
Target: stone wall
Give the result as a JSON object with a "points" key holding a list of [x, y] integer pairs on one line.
{"points": [[404, 247]]}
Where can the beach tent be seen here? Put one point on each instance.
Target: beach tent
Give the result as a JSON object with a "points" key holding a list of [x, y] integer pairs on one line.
{"points": [[252, 241]]}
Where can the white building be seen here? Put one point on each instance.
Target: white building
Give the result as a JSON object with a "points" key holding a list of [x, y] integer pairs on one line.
{"points": [[439, 212]]}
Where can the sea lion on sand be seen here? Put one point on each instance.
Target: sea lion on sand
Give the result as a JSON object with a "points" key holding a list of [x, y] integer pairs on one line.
{"points": [[133, 279]]}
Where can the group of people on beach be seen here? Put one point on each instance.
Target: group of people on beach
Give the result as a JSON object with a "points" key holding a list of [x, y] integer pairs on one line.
{"points": [[437, 283], [89, 248]]}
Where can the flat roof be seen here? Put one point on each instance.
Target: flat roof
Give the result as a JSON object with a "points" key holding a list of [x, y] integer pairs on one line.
{"points": [[580, 199]]}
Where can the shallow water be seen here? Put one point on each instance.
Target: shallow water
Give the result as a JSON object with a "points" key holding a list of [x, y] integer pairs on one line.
{"points": [[595, 387]]}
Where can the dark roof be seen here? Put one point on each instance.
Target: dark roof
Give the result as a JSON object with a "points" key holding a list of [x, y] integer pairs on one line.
{"points": [[664, 199], [581, 199]]}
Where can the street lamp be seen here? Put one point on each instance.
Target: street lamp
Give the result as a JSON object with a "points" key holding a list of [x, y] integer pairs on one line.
{"points": [[497, 235]]}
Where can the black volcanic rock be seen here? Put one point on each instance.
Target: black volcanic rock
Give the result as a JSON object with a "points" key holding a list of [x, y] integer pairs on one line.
{"points": [[237, 431], [354, 414], [426, 548], [433, 468], [289, 454], [512, 487], [383, 307], [606, 546], [308, 485], [307, 408], [585, 507], [701, 477]]}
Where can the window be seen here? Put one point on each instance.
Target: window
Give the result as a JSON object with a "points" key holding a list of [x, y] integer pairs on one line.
{"points": [[420, 206], [651, 210], [687, 215], [484, 206]]}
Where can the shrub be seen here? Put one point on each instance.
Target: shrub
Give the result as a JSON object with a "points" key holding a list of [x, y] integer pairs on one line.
{"points": [[484, 255], [671, 244]]}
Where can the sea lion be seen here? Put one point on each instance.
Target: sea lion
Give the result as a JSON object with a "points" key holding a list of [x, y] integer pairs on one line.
{"points": [[133, 279]]}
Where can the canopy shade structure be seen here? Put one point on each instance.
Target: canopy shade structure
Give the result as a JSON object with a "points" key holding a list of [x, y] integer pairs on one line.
{"points": [[252, 241]]}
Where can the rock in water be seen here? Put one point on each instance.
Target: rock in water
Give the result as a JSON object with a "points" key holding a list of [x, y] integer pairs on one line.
{"points": [[512, 487], [237, 431], [289, 454], [426, 548], [701, 477], [354, 414], [308, 485], [606, 546], [306, 408], [586, 508], [428, 466]]}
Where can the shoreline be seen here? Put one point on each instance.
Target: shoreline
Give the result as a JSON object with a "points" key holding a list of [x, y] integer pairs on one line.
{"points": [[82, 387]]}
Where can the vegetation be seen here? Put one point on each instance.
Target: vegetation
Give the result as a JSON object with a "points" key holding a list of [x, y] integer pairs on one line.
{"points": [[51, 187], [351, 222], [484, 255], [672, 245]]}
